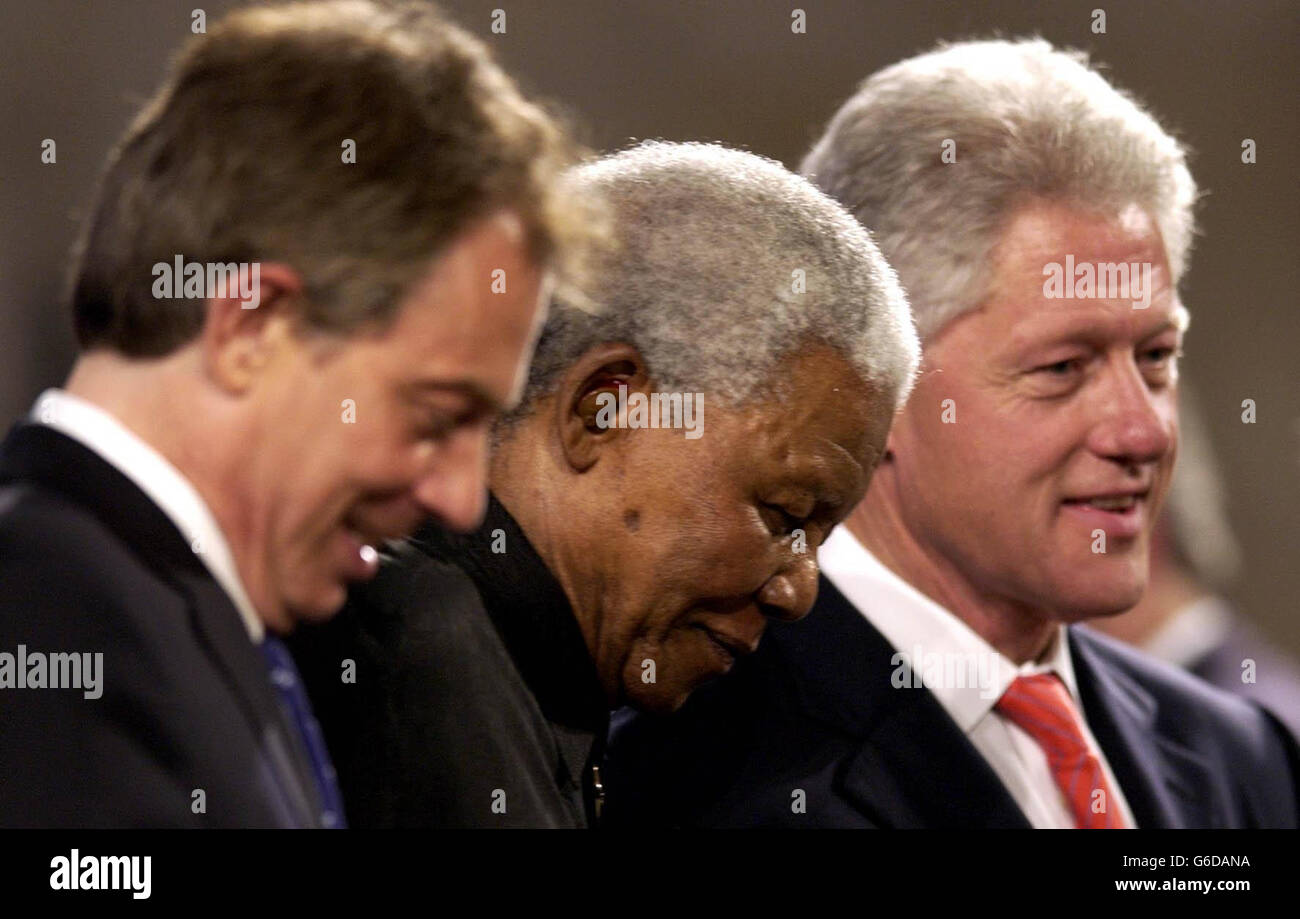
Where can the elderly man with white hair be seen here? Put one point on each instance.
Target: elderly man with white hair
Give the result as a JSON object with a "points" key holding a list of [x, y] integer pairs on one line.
{"points": [[1040, 221], [688, 436]]}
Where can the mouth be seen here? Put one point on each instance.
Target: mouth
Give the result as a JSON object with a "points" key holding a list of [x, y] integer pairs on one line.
{"points": [[1118, 504], [1118, 513], [360, 557], [365, 531], [727, 648], [378, 533], [362, 546]]}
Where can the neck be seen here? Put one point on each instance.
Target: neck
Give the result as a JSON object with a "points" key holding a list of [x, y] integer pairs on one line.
{"points": [[527, 477], [165, 403], [1019, 632], [142, 394]]}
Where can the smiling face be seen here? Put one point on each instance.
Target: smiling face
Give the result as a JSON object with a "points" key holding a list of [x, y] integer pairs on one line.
{"points": [[358, 438], [693, 543], [1064, 423]]}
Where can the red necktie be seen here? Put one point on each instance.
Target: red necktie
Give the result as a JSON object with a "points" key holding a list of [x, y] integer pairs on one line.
{"points": [[1040, 705]]}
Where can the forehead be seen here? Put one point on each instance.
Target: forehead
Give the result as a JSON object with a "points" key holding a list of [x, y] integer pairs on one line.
{"points": [[471, 291], [473, 308], [825, 418], [1108, 262]]}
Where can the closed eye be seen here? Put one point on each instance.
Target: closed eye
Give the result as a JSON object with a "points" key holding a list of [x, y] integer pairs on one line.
{"points": [[1160, 355], [1061, 368], [439, 426], [779, 520]]}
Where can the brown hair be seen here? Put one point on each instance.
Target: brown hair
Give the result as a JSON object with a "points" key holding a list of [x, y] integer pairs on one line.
{"points": [[238, 158]]}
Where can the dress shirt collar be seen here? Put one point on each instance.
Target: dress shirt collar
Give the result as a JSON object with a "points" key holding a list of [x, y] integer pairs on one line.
{"points": [[964, 672], [162, 482]]}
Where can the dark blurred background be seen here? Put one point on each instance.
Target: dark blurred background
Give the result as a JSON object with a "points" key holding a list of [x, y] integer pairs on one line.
{"points": [[1214, 71]]}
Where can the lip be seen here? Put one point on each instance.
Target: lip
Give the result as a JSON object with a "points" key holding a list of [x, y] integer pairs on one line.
{"points": [[724, 654], [1112, 493], [734, 645], [1117, 524], [379, 534]]}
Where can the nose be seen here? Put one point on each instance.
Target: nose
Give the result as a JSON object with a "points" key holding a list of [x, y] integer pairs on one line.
{"points": [[1135, 426], [454, 486], [789, 594]]}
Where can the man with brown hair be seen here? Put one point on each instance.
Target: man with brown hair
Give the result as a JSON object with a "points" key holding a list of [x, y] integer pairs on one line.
{"points": [[312, 279]]}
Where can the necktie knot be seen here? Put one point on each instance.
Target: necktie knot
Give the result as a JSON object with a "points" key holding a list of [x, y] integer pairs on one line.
{"points": [[1040, 705]]}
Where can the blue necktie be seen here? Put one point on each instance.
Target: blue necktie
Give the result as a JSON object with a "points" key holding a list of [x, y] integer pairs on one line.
{"points": [[287, 682]]}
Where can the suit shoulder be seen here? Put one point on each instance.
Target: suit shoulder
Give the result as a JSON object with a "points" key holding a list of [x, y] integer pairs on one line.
{"points": [[438, 715], [131, 752], [65, 571], [1193, 709], [417, 608], [42, 526]]}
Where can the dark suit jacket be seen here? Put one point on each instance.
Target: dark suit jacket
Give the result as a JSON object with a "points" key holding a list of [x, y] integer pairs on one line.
{"points": [[475, 702], [813, 711], [88, 563]]}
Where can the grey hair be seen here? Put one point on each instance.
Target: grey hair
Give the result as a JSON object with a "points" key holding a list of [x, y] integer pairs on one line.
{"points": [[701, 277], [1027, 121]]}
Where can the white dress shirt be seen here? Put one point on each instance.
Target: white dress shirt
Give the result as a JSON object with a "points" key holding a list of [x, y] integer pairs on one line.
{"points": [[975, 677], [96, 429]]}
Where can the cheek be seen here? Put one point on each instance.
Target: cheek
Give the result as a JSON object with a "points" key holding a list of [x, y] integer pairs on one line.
{"points": [[688, 568], [658, 676], [944, 429], [671, 520], [718, 556], [1033, 444], [307, 520], [986, 466], [377, 446]]}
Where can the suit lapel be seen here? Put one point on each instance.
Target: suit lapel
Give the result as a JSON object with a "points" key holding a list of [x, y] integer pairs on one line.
{"points": [[1158, 776], [913, 767], [39, 454], [918, 770], [218, 625]]}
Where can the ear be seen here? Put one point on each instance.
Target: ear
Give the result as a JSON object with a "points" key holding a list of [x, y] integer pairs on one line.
{"points": [[588, 400], [240, 332]]}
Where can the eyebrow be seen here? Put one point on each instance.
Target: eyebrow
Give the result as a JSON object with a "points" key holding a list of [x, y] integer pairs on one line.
{"points": [[1178, 320], [824, 482]]}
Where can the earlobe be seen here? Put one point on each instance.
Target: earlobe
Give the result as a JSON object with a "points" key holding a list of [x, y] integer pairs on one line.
{"points": [[591, 400]]}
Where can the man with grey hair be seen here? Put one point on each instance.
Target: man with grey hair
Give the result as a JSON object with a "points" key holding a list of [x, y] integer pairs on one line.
{"points": [[1040, 220], [636, 543]]}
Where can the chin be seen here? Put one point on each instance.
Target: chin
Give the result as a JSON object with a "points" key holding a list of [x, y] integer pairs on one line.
{"points": [[656, 700], [1081, 585], [317, 605], [1080, 601]]}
